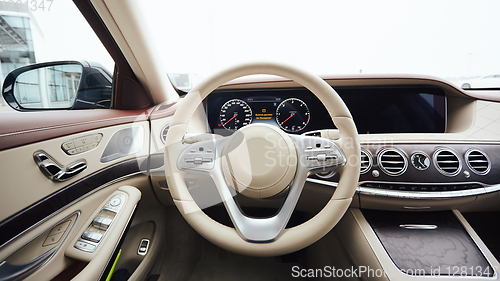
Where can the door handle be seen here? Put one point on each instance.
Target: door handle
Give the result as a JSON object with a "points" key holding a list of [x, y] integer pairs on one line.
{"points": [[19, 272], [56, 172]]}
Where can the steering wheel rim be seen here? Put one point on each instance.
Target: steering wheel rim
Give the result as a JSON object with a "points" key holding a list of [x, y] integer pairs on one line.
{"points": [[291, 239]]}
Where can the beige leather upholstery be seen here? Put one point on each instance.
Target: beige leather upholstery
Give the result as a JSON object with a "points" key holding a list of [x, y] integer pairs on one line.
{"points": [[292, 239], [246, 155]]}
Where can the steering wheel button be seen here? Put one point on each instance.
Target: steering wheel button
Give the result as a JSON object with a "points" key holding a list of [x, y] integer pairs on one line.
{"points": [[189, 160], [321, 157], [198, 160], [207, 160]]}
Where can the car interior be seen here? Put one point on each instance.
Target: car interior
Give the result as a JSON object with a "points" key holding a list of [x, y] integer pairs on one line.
{"points": [[261, 171]]}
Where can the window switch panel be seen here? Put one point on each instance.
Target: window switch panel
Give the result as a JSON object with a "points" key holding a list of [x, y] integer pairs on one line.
{"points": [[143, 247], [92, 236]]}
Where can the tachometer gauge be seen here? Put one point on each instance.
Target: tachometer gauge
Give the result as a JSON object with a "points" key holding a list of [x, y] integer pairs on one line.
{"points": [[292, 115], [235, 114]]}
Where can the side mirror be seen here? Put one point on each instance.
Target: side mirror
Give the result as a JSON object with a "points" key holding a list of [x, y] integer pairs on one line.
{"points": [[58, 85]]}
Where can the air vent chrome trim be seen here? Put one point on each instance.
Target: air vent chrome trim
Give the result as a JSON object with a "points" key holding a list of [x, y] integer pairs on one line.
{"points": [[163, 133], [440, 169], [370, 161], [469, 165], [386, 170]]}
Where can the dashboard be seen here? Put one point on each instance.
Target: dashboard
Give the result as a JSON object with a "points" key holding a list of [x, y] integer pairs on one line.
{"points": [[425, 144], [297, 110]]}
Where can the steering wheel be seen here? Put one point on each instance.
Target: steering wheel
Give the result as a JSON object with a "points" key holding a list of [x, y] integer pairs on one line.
{"points": [[243, 162]]}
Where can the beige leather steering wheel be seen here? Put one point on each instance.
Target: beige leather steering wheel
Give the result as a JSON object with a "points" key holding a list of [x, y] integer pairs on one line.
{"points": [[243, 162]]}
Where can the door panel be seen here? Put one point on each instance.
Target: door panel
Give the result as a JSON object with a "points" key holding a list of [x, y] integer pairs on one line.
{"points": [[32, 204], [87, 208], [22, 182]]}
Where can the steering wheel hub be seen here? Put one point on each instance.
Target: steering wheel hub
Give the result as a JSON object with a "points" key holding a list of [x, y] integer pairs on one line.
{"points": [[259, 160]]}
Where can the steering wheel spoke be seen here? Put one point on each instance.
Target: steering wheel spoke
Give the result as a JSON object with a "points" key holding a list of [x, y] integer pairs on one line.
{"points": [[317, 155], [199, 156], [259, 229]]}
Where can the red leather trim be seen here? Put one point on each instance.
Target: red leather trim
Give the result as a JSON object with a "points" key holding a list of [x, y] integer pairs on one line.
{"points": [[22, 128]]}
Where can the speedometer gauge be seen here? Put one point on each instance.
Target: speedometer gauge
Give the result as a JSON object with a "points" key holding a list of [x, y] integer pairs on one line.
{"points": [[235, 114], [292, 115]]}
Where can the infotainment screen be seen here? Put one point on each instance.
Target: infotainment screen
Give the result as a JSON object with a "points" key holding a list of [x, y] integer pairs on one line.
{"points": [[396, 110]]}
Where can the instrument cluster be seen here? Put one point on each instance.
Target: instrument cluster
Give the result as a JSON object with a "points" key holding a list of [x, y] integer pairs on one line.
{"points": [[292, 115], [290, 110]]}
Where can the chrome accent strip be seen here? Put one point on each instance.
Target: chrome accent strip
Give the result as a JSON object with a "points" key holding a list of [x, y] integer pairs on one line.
{"points": [[416, 194], [419, 226], [416, 207], [329, 183], [370, 160]]}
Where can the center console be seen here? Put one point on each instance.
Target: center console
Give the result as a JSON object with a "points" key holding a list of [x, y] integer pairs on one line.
{"points": [[422, 245]]}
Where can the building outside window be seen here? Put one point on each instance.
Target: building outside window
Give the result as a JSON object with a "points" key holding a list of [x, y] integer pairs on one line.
{"points": [[20, 38]]}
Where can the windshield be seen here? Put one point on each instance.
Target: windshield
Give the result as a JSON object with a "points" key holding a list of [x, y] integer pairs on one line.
{"points": [[453, 40]]}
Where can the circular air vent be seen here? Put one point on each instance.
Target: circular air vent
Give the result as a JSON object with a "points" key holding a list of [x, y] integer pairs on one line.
{"points": [[366, 161], [326, 175], [478, 161], [163, 134], [392, 162], [447, 162]]}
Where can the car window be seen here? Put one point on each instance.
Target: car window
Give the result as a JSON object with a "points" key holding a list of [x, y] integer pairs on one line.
{"points": [[329, 37], [47, 32]]}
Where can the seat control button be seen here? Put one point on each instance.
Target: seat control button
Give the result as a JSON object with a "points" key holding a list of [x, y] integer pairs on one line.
{"points": [[53, 239], [60, 228], [68, 145]]}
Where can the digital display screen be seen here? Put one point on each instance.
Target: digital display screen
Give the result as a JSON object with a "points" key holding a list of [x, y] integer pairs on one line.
{"points": [[375, 110], [396, 110], [264, 109]]}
